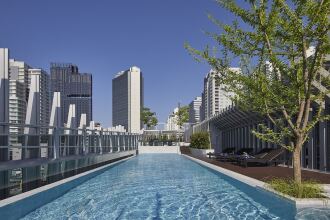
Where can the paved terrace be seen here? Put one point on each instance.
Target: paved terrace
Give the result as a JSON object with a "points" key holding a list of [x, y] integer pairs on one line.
{"points": [[264, 173]]}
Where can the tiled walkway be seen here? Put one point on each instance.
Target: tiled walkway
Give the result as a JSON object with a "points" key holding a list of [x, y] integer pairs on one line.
{"points": [[264, 173]]}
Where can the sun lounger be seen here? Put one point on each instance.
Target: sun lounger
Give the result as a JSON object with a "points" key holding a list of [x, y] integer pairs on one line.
{"points": [[270, 158]]}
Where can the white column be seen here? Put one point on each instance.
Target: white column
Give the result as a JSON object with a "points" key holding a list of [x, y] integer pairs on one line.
{"points": [[33, 106], [71, 122], [55, 115], [83, 122], [118, 135], [55, 121]]}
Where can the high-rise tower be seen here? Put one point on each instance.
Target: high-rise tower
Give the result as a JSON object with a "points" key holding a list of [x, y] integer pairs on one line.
{"points": [[127, 99], [75, 88]]}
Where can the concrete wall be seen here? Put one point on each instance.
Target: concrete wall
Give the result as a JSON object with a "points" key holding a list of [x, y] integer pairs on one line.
{"points": [[159, 150]]}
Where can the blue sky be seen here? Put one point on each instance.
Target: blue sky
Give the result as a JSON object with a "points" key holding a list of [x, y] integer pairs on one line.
{"points": [[104, 37]]}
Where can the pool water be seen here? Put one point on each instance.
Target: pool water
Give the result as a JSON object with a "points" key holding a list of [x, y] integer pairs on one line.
{"points": [[166, 186]]}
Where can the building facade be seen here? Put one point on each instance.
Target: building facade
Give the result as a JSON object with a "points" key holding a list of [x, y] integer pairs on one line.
{"points": [[127, 99], [4, 100], [172, 121], [18, 94], [194, 110], [202, 109], [75, 88], [214, 97]]}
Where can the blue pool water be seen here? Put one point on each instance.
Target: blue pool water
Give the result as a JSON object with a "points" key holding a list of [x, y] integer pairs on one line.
{"points": [[163, 187]]}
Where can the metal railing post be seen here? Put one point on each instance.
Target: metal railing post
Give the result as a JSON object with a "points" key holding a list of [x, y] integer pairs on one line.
{"points": [[55, 143], [118, 141], [84, 140], [100, 141]]}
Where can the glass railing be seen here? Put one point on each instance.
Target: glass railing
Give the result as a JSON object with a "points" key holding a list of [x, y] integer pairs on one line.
{"points": [[42, 155]]}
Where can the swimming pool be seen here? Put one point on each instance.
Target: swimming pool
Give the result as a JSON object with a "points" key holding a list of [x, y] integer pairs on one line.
{"points": [[166, 186]]}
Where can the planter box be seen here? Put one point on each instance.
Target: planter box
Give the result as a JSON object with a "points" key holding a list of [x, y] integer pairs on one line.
{"points": [[200, 152]]}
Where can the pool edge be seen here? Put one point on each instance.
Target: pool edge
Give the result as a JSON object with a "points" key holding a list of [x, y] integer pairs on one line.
{"points": [[299, 203]]}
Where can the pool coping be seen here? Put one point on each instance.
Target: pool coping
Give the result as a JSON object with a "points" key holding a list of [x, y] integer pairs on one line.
{"points": [[260, 185]]}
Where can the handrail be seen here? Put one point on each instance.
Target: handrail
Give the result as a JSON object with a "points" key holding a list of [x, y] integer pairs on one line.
{"points": [[62, 128], [58, 143]]}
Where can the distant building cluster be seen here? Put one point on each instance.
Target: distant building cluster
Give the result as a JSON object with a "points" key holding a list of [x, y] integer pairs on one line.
{"points": [[31, 93], [213, 99], [63, 98]]}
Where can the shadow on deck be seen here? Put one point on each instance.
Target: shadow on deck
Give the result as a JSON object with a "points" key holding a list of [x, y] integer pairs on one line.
{"points": [[264, 173]]}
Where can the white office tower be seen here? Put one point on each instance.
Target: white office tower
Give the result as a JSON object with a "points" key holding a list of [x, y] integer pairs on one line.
{"points": [[127, 99], [4, 90], [18, 94], [172, 121], [215, 97], [194, 110], [38, 100]]}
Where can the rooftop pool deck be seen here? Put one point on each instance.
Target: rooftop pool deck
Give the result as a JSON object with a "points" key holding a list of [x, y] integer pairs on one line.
{"points": [[156, 186], [167, 186]]}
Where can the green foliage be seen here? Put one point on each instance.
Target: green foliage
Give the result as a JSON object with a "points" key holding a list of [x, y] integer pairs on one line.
{"points": [[148, 118], [173, 138], [271, 39], [200, 140], [183, 115], [164, 138], [306, 189]]}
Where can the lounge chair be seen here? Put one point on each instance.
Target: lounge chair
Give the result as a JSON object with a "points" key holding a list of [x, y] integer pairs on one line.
{"points": [[225, 152], [230, 155], [210, 154], [270, 158], [221, 156]]}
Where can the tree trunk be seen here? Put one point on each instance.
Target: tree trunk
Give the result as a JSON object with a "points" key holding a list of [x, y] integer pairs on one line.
{"points": [[297, 164]]}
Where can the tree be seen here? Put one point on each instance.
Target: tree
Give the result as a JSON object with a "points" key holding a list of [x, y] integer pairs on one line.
{"points": [[200, 140], [148, 118], [182, 115], [281, 47]]}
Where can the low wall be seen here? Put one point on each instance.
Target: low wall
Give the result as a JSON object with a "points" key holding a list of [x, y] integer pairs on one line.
{"points": [[20, 205], [159, 150], [200, 152]]}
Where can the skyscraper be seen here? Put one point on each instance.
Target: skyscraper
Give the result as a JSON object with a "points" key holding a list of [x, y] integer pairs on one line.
{"points": [[18, 94], [4, 100], [4, 86], [215, 98], [75, 88], [127, 99], [194, 110]]}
